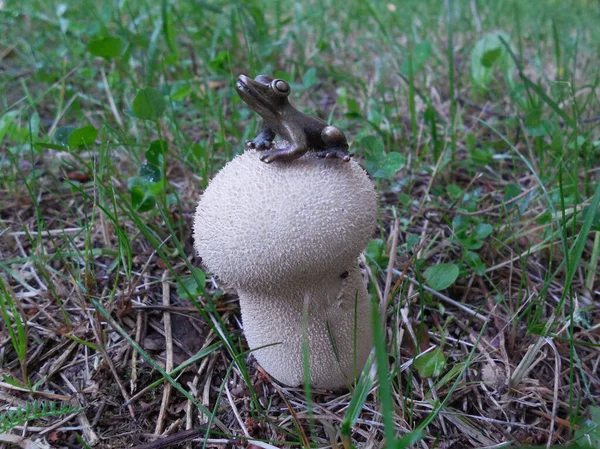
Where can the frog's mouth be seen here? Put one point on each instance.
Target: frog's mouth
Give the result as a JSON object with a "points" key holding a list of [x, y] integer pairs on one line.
{"points": [[245, 89], [250, 91], [242, 86]]}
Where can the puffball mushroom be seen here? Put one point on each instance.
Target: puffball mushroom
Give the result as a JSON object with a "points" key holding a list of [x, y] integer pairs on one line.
{"points": [[287, 235]]}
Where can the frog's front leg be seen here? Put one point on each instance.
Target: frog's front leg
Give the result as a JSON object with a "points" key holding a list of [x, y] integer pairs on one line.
{"points": [[336, 145], [293, 147], [263, 140]]}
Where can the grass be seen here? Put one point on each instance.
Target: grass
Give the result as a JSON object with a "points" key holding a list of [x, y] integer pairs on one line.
{"points": [[478, 122]]}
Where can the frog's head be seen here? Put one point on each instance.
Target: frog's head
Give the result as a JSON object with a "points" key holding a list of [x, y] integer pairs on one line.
{"points": [[263, 94]]}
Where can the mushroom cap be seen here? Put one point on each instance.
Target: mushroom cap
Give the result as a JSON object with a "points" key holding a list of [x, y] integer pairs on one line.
{"points": [[260, 225], [324, 311]]}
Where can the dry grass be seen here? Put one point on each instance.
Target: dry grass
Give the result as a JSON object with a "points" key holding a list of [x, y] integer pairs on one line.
{"points": [[520, 341], [515, 384]]}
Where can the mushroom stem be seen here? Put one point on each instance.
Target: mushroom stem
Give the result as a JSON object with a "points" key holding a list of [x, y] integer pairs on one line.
{"points": [[331, 315]]}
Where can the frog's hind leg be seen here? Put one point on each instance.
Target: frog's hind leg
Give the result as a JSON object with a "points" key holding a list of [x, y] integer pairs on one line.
{"points": [[336, 145], [332, 153]]}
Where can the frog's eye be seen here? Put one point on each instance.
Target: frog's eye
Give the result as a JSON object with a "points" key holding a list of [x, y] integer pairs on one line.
{"points": [[281, 87]]}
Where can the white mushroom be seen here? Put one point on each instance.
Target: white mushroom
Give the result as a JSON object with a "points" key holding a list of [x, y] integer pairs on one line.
{"points": [[287, 237]]}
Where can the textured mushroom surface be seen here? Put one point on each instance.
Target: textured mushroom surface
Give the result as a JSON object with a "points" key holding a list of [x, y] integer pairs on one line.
{"points": [[258, 225], [287, 237], [323, 315]]}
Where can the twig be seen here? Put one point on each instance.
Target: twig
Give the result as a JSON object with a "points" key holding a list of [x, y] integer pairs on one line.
{"points": [[58, 397], [180, 310], [527, 362], [19, 441], [293, 414], [166, 294], [207, 384], [561, 421], [399, 280], [236, 411], [194, 391], [57, 365], [527, 253], [88, 433], [390, 267], [373, 278], [475, 16], [33, 272], [447, 299], [557, 370], [172, 440], [134, 354], [61, 113], [111, 101], [110, 363], [59, 424]]}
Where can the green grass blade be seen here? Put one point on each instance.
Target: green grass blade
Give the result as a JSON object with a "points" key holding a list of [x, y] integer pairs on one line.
{"points": [[383, 374], [359, 397]]}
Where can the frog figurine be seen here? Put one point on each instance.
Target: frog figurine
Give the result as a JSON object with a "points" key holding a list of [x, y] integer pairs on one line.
{"points": [[268, 97]]}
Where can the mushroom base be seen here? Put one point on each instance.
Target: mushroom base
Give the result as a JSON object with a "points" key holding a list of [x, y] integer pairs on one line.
{"points": [[332, 315]]}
